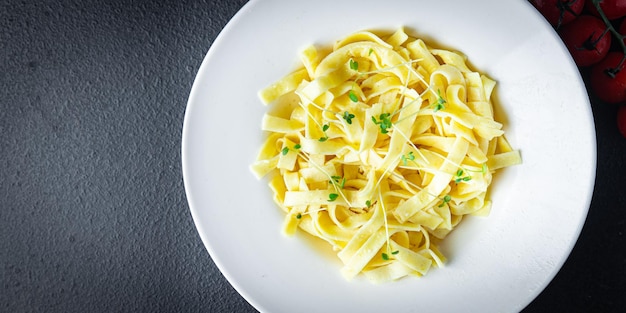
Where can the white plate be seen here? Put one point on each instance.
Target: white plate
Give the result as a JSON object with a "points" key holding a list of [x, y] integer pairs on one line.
{"points": [[496, 264]]}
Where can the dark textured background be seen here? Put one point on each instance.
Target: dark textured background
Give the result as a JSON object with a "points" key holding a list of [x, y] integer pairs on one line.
{"points": [[93, 215]]}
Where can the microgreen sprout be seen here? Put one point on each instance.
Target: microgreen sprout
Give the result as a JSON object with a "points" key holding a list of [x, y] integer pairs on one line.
{"points": [[459, 176], [339, 181], [285, 150], [439, 105], [325, 127], [384, 210], [409, 157], [384, 122], [353, 97], [386, 257], [483, 169], [445, 199], [348, 117], [354, 65], [332, 197], [300, 215]]}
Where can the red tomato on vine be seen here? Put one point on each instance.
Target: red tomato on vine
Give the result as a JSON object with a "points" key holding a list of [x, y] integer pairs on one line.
{"points": [[587, 38], [608, 78], [559, 12]]}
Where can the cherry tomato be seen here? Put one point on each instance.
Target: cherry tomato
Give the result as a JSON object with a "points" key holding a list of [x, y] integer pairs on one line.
{"points": [[621, 120], [608, 82], [559, 12], [587, 38], [613, 9]]}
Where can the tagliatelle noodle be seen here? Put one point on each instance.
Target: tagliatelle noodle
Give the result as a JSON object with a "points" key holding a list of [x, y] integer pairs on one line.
{"points": [[379, 148]]}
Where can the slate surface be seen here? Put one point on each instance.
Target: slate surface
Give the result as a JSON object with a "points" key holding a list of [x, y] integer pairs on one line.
{"points": [[93, 215]]}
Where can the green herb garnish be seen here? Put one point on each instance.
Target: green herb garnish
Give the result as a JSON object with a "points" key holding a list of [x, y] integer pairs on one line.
{"points": [[332, 197], [285, 150], [439, 105], [446, 199], [460, 178], [353, 96], [354, 65], [325, 127], [340, 181], [465, 179], [409, 157], [385, 256], [384, 122], [348, 117]]}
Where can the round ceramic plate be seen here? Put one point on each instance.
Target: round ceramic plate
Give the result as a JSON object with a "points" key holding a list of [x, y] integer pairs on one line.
{"points": [[498, 263]]}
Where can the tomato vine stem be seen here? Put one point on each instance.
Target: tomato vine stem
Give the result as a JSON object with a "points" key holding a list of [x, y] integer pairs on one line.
{"points": [[612, 71]]}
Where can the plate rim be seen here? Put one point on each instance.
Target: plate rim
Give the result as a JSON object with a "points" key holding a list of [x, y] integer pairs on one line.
{"points": [[241, 13]]}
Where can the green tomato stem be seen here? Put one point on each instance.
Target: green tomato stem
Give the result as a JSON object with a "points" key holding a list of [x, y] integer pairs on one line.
{"points": [[620, 37]]}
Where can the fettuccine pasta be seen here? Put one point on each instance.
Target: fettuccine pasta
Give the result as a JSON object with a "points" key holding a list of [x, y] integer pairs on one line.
{"points": [[380, 147]]}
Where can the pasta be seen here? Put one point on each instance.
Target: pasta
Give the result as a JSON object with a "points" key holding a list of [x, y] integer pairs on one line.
{"points": [[380, 148]]}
